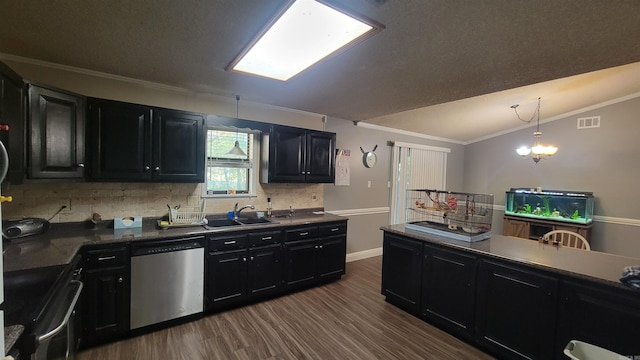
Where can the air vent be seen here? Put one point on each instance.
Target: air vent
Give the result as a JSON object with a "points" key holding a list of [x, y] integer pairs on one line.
{"points": [[589, 122]]}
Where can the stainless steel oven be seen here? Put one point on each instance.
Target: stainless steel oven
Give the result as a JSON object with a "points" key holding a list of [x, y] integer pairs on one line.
{"points": [[56, 326]]}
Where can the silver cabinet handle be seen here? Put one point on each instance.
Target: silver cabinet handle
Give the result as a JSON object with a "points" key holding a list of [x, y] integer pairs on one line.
{"points": [[304, 233], [229, 242], [103, 258], [65, 320], [267, 238], [120, 279], [335, 229], [147, 168], [81, 165], [157, 168]]}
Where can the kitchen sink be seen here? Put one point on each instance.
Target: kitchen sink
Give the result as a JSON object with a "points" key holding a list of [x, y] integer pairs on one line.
{"points": [[254, 221], [222, 222], [215, 223]]}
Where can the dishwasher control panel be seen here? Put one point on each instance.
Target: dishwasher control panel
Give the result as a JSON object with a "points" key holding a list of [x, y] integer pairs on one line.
{"points": [[164, 246]]}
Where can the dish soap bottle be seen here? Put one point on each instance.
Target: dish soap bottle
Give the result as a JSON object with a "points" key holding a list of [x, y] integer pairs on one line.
{"points": [[269, 207]]}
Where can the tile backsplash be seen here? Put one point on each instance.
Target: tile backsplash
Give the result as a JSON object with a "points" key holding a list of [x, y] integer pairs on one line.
{"points": [[112, 200]]}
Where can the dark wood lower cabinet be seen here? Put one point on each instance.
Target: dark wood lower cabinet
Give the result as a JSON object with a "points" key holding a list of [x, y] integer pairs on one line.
{"points": [[239, 275], [401, 272], [106, 304], [509, 309], [314, 254], [516, 311], [300, 262], [226, 277], [312, 261], [599, 316], [264, 270], [449, 290]]}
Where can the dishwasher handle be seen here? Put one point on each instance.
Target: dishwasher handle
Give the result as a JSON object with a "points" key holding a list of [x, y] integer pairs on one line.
{"points": [[65, 320]]}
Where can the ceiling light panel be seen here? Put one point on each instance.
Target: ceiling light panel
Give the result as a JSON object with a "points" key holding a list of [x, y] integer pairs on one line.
{"points": [[304, 34]]}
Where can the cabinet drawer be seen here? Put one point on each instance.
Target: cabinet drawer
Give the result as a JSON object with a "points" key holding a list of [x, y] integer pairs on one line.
{"points": [[265, 238], [332, 229], [231, 242], [301, 233], [98, 258]]}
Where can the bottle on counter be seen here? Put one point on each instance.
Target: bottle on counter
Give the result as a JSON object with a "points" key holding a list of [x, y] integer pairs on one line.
{"points": [[269, 207]]}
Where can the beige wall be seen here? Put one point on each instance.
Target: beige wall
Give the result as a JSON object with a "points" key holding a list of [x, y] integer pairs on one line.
{"points": [[112, 200]]}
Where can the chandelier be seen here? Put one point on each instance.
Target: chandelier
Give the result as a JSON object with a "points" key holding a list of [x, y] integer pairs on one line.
{"points": [[537, 151]]}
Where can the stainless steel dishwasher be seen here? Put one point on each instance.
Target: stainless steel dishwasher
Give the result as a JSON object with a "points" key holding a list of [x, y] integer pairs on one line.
{"points": [[167, 280]]}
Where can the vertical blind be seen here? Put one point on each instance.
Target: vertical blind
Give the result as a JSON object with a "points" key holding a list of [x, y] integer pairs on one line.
{"points": [[414, 166]]}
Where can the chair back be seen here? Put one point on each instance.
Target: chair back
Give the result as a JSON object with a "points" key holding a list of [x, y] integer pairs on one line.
{"points": [[567, 238]]}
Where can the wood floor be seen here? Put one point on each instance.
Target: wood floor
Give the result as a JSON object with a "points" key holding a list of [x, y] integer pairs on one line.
{"points": [[347, 319]]}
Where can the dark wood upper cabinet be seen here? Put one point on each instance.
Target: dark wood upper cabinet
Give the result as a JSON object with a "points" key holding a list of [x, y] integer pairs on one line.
{"points": [[56, 128], [12, 113], [133, 142], [178, 152], [298, 155]]}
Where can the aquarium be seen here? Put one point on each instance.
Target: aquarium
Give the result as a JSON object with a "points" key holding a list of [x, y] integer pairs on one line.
{"points": [[456, 215], [556, 205]]}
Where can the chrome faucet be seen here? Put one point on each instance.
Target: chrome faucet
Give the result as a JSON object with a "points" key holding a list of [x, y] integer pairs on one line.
{"points": [[237, 211]]}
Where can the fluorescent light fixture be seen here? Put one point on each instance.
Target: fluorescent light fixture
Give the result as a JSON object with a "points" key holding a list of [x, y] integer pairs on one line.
{"points": [[305, 33]]}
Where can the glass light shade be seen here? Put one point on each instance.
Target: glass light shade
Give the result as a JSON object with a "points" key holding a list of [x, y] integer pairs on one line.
{"points": [[523, 151], [236, 150], [306, 33], [544, 150]]}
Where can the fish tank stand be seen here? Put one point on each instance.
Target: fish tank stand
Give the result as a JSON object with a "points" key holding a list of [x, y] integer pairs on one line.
{"points": [[534, 228]]}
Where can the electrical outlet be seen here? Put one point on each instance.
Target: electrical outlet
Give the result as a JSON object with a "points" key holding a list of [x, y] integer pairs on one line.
{"points": [[314, 197], [67, 203]]}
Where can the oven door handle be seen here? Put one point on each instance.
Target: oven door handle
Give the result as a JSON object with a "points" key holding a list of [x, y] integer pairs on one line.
{"points": [[65, 321]]}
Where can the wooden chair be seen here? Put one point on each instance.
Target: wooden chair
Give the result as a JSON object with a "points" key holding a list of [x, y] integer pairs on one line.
{"points": [[567, 238]]}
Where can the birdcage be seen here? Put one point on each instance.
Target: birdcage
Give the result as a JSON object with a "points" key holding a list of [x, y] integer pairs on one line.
{"points": [[458, 215]]}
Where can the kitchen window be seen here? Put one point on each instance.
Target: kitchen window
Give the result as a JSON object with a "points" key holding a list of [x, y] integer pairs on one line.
{"points": [[228, 174]]}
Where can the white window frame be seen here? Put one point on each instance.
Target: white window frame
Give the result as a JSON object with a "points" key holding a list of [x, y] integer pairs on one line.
{"points": [[253, 170]]}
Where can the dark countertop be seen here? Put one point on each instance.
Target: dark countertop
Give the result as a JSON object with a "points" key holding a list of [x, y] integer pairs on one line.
{"points": [[59, 245], [590, 265]]}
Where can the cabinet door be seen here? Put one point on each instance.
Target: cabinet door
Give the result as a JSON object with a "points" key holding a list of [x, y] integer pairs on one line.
{"points": [[265, 270], [286, 154], [226, 278], [320, 157], [106, 304], [332, 254], [516, 311], [599, 317], [401, 272], [121, 149], [301, 262], [178, 150], [12, 106], [515, 228], [448, 289], [56, 124]]}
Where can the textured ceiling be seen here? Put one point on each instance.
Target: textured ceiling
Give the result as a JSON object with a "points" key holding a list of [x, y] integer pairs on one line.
{"points": [[432, 54]]}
